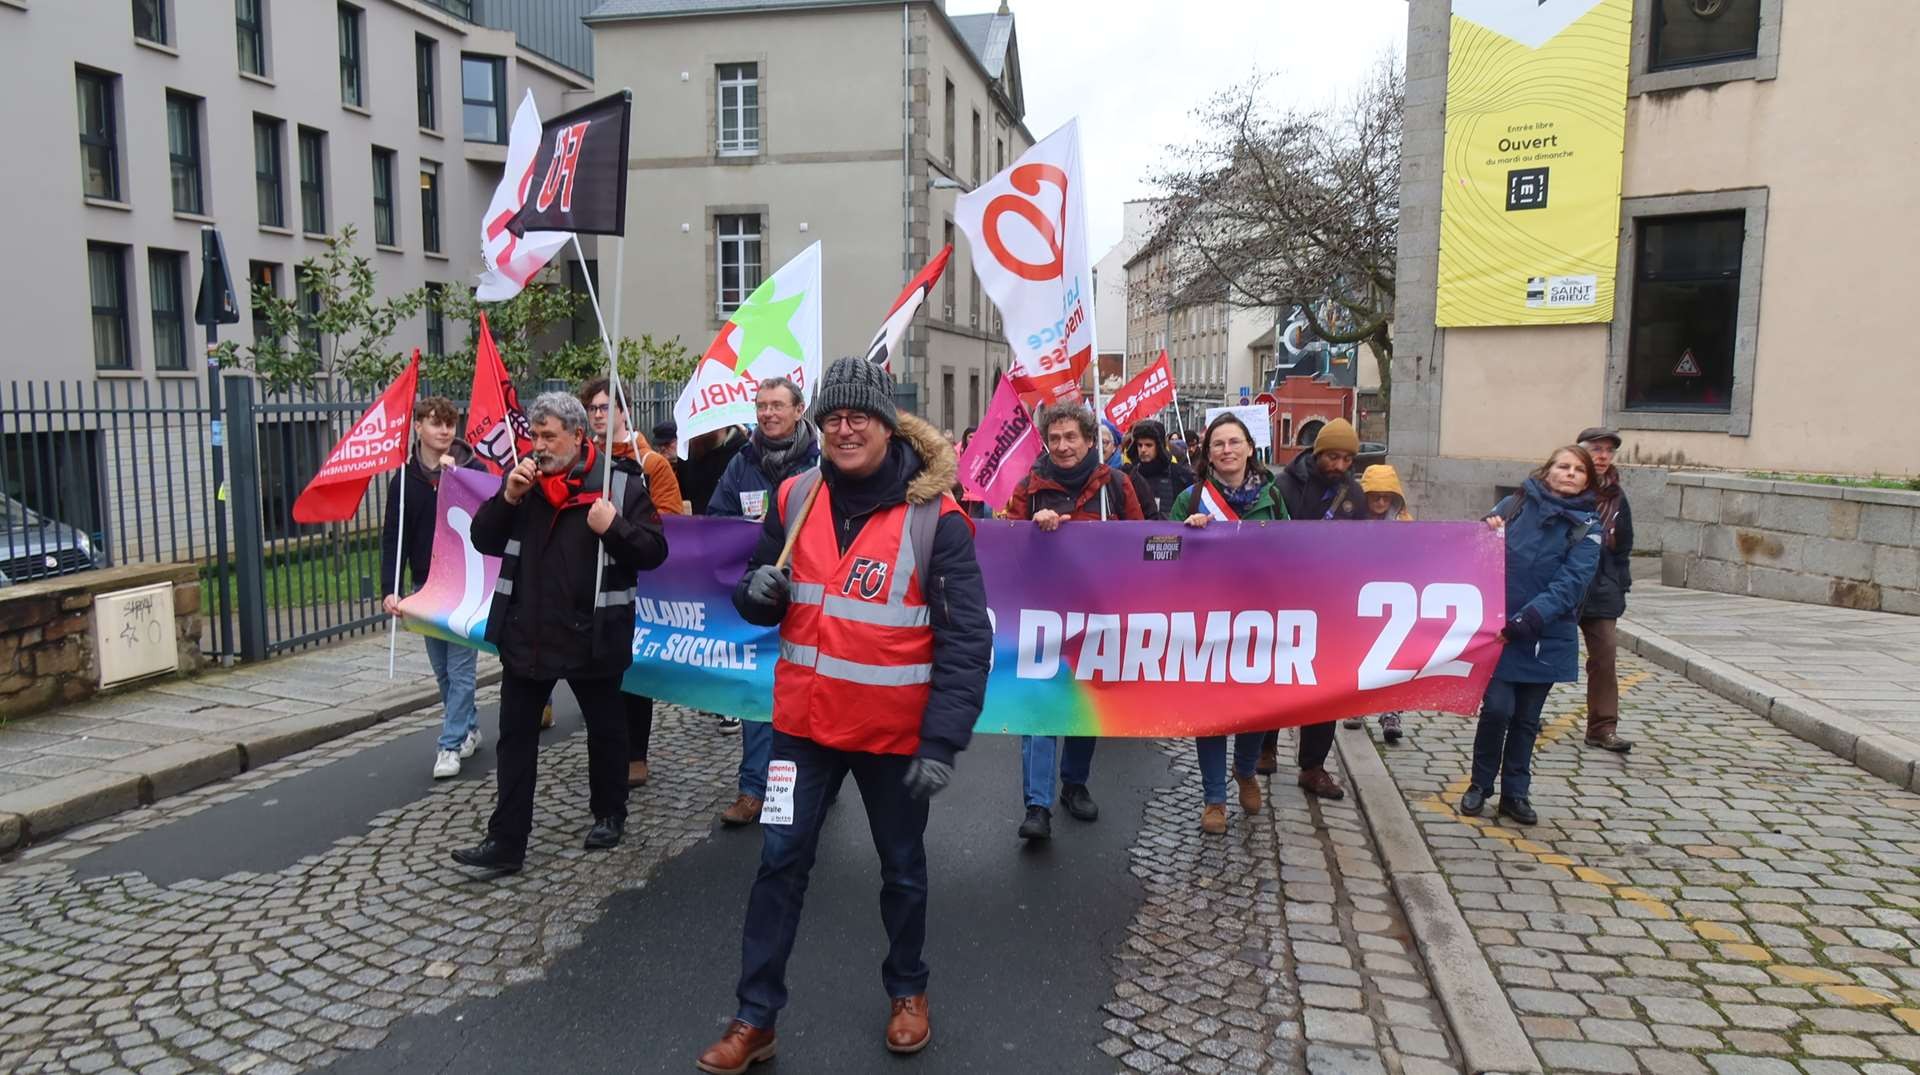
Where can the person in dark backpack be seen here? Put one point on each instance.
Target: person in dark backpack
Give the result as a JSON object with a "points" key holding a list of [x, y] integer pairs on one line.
{"points": [[1320, 485], [1553, 545], [1067, 482], [1607, 599], [883, 678]]}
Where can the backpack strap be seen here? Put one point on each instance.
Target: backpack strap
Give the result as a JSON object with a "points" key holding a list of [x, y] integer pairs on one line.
{"points": [[797, 493], [922, 520]]}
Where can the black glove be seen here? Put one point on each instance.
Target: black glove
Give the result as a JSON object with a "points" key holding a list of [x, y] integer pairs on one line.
{"points": [[1525, 625], [925, 777], [768, 585]]}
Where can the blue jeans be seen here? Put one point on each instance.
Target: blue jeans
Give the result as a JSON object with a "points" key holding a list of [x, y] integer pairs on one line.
{"points": [[453, 670], [1503, 742], [756, 748], [1037, 754], [1212, 752], [898, 822]]}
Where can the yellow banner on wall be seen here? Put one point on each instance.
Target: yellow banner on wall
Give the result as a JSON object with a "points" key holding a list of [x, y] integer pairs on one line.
{"points": [[1536, 126]]}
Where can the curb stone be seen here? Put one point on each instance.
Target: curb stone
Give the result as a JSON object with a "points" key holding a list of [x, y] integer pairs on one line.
{"points": [[1888, 757], [1482, 1018], [47, 809]]}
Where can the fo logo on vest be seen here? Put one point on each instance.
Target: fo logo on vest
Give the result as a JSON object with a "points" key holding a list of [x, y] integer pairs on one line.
{"points": [[869, 576]]}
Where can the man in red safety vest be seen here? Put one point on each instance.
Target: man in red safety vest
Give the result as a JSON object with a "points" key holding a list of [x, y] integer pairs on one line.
{"points": [[884, 647]]}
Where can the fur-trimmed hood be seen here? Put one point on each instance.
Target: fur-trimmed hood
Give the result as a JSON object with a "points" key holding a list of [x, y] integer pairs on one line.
{"points": [[939, 467]]}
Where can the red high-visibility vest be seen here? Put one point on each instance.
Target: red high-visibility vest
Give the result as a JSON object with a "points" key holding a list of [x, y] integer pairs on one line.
{"points": [[856, 644]]}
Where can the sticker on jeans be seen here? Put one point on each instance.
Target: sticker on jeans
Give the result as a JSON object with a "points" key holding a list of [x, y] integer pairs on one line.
{"points": [[777, 808], [753, 504]]}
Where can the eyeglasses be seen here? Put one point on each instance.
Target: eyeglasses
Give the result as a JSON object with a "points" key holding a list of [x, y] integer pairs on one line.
{"points": [[854, 420], [598, 408]]}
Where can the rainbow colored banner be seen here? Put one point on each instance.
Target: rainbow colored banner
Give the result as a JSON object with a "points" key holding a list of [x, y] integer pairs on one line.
{"points": [[1117, 629]]}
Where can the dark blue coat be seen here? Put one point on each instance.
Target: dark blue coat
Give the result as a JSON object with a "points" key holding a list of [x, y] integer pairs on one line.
{"points": [[745, 475], [1553, 549]]}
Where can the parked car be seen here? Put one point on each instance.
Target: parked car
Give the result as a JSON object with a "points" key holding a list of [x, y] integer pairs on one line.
{"points": [[33, 546]]}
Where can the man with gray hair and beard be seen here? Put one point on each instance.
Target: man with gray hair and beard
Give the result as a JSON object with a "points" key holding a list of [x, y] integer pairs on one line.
{"points": [[559, 520]]}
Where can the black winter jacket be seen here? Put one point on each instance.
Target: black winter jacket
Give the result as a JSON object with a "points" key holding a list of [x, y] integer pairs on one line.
{"points": [[920, 464], [1309, 496], [1607, 597], [423, 493], [546, 624], [1165, 479]]}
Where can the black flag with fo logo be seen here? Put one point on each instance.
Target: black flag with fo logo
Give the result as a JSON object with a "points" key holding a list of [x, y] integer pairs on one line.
{"points": [[578, 181]]}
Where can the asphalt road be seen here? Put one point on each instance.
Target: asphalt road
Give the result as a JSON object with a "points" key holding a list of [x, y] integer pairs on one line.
{"points": [[1018, 943]]}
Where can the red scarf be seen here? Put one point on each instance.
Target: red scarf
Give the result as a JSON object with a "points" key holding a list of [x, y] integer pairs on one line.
{"points": [[564, 490]]}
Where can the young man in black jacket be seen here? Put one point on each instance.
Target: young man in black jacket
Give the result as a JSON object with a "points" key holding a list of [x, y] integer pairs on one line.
{"points": [[1319, 485], [884, 647], [556, 518], [435, 452]]}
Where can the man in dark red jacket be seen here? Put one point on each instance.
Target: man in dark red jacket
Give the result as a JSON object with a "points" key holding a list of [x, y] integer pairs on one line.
{"points": [[1068, 482], [884, 647]]}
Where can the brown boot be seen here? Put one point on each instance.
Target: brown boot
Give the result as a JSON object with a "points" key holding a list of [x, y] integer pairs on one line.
{"points": [[1269, 760], [1320, 782], [908, 1028], [744, 811], [1249, 793], [546, 717], [1213, 819], [743, 1046], [637, 772]]}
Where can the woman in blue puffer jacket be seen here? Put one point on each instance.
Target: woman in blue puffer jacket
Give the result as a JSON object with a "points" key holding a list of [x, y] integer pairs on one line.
{"points": [[1553, 547]]}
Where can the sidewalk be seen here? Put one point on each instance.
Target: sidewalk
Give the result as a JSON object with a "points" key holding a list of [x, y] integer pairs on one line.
{"points": [[83, 762], [1845, 680]]}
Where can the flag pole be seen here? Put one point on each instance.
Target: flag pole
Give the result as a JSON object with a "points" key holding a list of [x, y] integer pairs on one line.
{"points": [[400, 531], [613, 379]]}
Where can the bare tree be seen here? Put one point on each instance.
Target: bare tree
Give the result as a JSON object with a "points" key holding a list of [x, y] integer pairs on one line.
{"points": [[1292, 207]]}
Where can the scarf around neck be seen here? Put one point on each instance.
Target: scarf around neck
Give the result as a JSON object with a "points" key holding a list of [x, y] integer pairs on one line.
{"points": [[781, 459], [1074, 479], [1242, 496], [565, 488]]}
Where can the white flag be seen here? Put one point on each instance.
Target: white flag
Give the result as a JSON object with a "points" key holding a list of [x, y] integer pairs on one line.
{"points": [[512, 260], [775, 333], [1028, 230]]}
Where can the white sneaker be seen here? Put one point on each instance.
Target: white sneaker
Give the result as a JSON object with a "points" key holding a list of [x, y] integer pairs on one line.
{"points": [[471, 743], [446, 764], [729, 726]]}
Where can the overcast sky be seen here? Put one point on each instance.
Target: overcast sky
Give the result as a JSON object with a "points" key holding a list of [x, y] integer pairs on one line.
{"points": [[1132, 70]]}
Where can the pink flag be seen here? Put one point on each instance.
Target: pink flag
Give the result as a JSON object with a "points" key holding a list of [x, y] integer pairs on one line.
{"points": [[1002, 449]]}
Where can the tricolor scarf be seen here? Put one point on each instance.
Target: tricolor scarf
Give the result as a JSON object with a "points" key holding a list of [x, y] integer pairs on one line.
{"points": [[569, 489], [1216, 504]]}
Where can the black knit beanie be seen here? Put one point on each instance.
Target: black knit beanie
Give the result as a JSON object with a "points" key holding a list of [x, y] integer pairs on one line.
{"points": [[856, 384]]}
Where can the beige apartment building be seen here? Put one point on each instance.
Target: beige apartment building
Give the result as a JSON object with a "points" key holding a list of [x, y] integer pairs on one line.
{"points": [[130, 126], [760, 126], [1761, 299], [1213, 347]]}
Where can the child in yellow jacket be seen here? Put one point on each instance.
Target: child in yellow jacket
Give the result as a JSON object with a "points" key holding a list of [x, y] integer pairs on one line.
{"points": [[1386, 501]]}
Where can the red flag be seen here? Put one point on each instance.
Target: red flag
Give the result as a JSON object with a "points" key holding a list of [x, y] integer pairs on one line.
{"points": [[496, 426], [886, 342], [1142, 397], [377, 443]]}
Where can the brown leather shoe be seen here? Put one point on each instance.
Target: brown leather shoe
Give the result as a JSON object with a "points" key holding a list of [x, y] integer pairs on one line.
{"points": [[1249, 793], [908, 1028], [637, 772], [741, 1047], [1611, 742], [1213, 819], [1269, 760], [1320, 782], [744, 811]]}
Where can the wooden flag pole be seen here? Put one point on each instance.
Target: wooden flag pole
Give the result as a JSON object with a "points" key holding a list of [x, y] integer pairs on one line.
{"points": [[793, 525]]}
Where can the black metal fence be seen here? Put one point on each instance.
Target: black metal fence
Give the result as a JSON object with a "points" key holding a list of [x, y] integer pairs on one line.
{"points": [[107, 472]]}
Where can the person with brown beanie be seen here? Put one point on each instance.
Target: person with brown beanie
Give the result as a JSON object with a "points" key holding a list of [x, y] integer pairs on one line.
{"points": [[1319, 485], [1607, 597]]}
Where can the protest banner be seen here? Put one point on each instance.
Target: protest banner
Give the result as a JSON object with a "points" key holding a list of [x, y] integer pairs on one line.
{"points": [[1002, 450], [1125, 629], [1255, 415], [378, 442], [1143, 397]]}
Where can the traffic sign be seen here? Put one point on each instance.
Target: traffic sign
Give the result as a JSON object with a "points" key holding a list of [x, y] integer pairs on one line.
{"points": [[1268, 400]]}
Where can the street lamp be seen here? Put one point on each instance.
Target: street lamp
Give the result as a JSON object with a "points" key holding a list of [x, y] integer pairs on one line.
{"points": [[942, 182]]}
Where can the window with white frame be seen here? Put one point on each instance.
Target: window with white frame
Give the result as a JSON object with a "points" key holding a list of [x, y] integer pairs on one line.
{"points": [[738, 87], [737, 257]]}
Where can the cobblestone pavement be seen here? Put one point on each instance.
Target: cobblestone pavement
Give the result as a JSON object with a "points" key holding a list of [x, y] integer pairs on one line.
{"points": [[277, 972], [1274, 948], [220, 705], [1727, 899], [1864, 664]]}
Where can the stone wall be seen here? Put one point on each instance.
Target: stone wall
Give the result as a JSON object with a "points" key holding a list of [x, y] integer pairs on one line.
{"points": [[47, 653], [1793, 541]]}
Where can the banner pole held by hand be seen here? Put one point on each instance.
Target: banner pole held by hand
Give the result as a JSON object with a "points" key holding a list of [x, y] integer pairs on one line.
{"points": [[793, 524]]}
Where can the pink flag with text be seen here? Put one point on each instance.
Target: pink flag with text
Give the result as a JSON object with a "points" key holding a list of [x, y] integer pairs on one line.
{"points": [[1002, 449]]}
